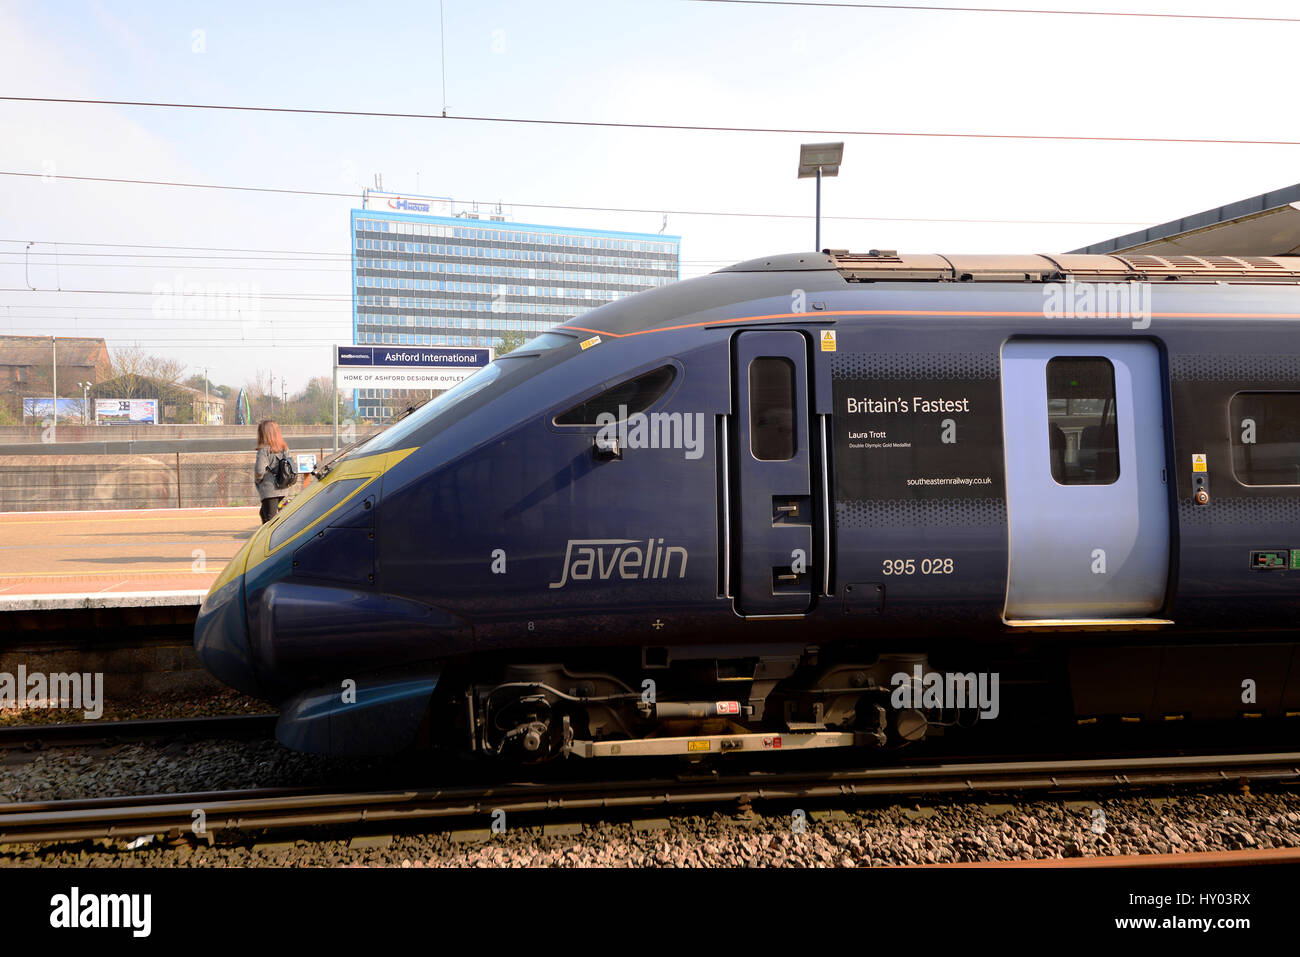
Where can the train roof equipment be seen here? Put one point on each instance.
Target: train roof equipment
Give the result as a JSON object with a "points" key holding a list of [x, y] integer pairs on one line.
{"points": [[885, 265]]}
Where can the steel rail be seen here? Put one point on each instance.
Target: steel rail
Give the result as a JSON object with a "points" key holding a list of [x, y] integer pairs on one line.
{"points": [[243, 810]]}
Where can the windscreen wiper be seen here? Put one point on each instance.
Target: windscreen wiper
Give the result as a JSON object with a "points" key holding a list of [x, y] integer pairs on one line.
{"points": [[323, 469]]}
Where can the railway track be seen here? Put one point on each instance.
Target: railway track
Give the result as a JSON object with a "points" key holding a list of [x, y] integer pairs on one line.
{"points": [[80, 733], [133, 816]]}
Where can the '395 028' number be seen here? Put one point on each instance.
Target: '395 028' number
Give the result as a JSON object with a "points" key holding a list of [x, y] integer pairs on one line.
{"points": [[909, 566]]}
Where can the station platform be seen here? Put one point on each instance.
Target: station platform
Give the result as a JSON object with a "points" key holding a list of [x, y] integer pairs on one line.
{"points": [[144, 558]]}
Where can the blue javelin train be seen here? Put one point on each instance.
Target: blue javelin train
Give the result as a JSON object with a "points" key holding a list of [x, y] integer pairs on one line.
{"points": [[818, 500]]}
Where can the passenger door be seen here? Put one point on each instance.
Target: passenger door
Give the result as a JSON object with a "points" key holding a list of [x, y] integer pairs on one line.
{"points": [[770, 485], [1087, 493]]}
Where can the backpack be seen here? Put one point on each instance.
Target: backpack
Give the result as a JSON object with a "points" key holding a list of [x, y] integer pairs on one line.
{"points": [[286, 473]]}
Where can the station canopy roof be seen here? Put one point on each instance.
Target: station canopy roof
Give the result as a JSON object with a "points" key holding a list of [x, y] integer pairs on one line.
{"points": [[1263, 225]]}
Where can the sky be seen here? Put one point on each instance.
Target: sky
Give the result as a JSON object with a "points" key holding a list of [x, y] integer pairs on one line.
{"points": [[272, 270]]}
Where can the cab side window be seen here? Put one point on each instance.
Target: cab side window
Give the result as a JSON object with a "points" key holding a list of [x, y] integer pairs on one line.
{"points": [[771, 409], [626, 398]]}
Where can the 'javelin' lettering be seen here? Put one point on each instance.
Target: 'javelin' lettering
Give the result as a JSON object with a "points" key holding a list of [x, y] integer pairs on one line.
{"points": [[622, 558]]}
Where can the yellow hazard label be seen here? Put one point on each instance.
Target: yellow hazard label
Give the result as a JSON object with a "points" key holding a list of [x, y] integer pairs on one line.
{"points": [[1198, 462], [593, 341], [828, 340], [697, 745]]}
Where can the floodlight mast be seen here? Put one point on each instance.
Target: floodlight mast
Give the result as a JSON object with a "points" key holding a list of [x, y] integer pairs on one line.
{"points": [[816, 160]]}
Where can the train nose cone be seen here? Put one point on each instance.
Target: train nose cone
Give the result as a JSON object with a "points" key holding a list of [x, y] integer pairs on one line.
{"points": [[221, 637]]}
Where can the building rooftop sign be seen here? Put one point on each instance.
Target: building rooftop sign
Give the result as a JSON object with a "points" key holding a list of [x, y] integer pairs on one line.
{"points": [[405, 203]]}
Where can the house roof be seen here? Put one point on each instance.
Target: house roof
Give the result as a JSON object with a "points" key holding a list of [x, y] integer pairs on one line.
{"points": [[35, 351]]}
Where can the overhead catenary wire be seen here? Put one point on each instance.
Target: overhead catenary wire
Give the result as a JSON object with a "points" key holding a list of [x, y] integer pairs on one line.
{"points": [[119, 308], [593, 209], [268, 257], [626, 125], [161, 266], [231, 249], [261, 346], [308, 297], [334, 263], [316, 257], [281, 264]]}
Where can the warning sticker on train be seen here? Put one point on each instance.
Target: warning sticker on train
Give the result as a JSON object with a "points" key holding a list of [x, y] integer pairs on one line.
{"points": [[828, 340], [588, 343], [1198, 462]]}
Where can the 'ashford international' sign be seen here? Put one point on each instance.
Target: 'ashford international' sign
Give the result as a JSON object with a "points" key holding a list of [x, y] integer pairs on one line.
{"points": [[406, 367]]}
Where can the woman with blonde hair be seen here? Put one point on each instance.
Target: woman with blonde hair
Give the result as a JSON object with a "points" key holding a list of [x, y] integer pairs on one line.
{"points": [[271, 448]]}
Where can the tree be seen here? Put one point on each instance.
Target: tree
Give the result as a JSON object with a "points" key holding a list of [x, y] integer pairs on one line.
{"points": [[511, 340], [314, 401], [210, 390], [260, 400], [128, 366], [166, 376], [258, 384], [136, 374], [196, 383]]}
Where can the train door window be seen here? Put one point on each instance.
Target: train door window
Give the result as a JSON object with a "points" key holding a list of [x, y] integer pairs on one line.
{"points": [[1081, 424], [1266, 438], [771, 409], [634, 395]]}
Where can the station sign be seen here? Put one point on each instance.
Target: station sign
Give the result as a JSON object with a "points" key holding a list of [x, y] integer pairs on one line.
{"points": [[406, 367]]}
